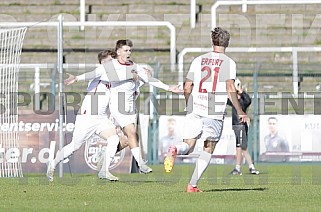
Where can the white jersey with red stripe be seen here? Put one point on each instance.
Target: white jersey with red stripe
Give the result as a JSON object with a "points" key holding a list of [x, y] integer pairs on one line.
{"points": [[209, 73]]}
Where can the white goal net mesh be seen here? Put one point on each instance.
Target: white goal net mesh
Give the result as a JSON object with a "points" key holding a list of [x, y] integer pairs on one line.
{"points": [[11, 40]]}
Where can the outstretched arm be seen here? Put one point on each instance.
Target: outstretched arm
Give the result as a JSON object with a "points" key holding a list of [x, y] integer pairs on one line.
{"points": [[71, 79], [97, 72], [159, 84]]}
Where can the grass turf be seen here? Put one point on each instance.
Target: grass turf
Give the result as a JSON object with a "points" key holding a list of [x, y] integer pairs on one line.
{"points": [[294, 187]]}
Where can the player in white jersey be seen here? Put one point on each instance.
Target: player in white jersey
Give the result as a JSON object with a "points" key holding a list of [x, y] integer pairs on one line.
{"points": [[125, 91], [93, 118], [125, 78], [209, 83]]}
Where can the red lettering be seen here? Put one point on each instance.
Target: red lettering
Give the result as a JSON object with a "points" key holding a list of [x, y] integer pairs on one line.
{"points": [[204, 61]]}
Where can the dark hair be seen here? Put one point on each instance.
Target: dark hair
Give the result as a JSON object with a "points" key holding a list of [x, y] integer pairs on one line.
{"points": [[105, 53], [220, 37], [121, 43]]}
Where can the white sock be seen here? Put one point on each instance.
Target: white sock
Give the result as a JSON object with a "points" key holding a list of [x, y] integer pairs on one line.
{"points": [[201, 165], [251, 166], [238, 167], [111, 149], [65, 152], [137, 155], [182, 149]]}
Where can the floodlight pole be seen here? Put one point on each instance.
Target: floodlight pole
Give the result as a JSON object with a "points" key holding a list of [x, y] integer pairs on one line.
{"points": [[61, 88]]}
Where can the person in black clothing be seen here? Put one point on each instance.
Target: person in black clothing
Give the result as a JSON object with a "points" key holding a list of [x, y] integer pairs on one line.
{"points": [[241, 129]]}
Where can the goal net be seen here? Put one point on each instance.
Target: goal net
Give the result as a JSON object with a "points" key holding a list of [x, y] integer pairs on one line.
{"points": [[11, 40]]}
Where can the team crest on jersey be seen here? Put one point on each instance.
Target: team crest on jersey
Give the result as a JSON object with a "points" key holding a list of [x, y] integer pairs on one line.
{"points": [[93, 146]]}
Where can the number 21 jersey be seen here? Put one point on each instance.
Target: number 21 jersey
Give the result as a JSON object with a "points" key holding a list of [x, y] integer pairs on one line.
{"points": [[209, 73]]}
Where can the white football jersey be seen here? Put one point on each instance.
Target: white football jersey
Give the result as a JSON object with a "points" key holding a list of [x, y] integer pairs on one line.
{"points": [[209, 73], [98, 74], [124, 89]]}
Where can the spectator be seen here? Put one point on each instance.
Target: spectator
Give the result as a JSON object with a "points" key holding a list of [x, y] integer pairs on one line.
{"points": [[241, 131]]}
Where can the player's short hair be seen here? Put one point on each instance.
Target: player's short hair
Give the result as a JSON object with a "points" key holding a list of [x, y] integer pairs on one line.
{"points": [[105, 53], [121, 43], [220, 37], [272, 118]]}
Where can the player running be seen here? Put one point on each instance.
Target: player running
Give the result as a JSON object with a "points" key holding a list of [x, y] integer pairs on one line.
{"points": [[209, 83]]}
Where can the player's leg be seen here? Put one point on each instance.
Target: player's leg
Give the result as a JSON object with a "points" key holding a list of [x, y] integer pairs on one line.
{"points": [[249, 161], [130, 132], [85, 126], [192, 130], [246, 154], [123, 140], [128, 124], [186, 147], [202, 163], [109, 154], [237, 169], [212, 130], [116, 141], [239, 137], [108, 131], [106, 155]]}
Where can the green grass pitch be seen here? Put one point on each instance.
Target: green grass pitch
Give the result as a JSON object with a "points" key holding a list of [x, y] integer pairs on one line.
{"points": [[293, 187]]}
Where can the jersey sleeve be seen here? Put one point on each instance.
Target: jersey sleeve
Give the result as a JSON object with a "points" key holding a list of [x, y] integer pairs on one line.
{"points": [[232, 70], [142, 73], [96, 73], [192, 69], [157, 83]]}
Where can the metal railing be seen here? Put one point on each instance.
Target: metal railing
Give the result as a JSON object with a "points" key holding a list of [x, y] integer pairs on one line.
{"points": [[244, 4], [293, 50], [167, 24]]}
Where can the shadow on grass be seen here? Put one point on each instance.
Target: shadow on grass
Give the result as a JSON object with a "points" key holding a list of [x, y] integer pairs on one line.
{"points": [[235, 189]]}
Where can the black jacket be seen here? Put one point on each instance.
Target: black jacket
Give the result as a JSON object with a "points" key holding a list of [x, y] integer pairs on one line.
{"points": [[245, 102]]}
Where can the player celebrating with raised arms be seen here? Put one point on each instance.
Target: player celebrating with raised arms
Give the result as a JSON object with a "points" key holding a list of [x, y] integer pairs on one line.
{"points": [[93, 118], [125, 78], [209, 83], [125, 93]]}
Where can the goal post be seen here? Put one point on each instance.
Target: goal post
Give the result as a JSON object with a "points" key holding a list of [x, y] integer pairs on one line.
{"points": [[11, 40]]}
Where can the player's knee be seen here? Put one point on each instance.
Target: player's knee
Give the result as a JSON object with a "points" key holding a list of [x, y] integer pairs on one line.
{"points": [[210, 142]]}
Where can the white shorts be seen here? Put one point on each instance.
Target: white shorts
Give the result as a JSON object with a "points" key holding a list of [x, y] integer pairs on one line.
{"points": [[196, 126], [122, 116], [87, 125], [93, 117]]}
